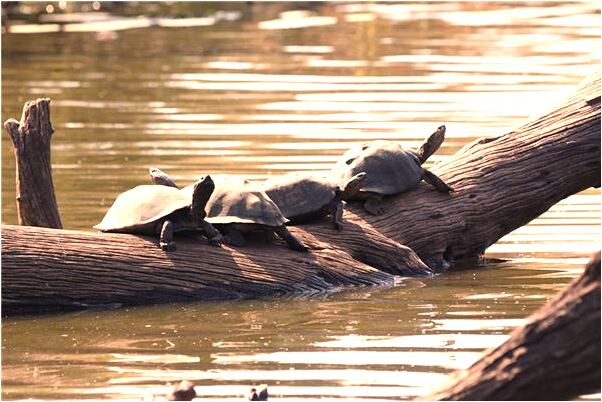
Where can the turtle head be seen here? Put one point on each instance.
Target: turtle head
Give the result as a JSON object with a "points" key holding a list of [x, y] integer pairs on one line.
{"points": [[431, 145], [160, 177], [352, 186], [184, 391], [203, 189]]}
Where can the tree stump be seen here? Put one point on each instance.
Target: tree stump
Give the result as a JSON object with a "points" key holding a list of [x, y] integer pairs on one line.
{"points": [[36, 202], [555, 356]]}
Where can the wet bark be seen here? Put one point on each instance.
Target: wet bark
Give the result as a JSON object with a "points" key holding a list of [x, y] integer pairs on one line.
{"points": [[36, 202], [555, 356], [501, 184]]}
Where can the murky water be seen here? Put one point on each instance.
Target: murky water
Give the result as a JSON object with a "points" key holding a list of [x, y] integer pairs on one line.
{"points": [[262, 89]]}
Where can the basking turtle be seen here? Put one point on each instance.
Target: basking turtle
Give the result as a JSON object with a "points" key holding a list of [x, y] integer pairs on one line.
{"points": [[390, 169], [237, 207], [162, 210], [303, 197]]}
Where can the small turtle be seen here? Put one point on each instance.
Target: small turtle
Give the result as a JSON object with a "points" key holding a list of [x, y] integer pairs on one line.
{"points": [[162, 210], [260, 394], [390, 169], [184, 391], [237, 207], [303, 197]]}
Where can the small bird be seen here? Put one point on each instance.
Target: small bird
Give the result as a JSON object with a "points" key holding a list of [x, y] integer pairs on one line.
{"points": [[261, 395]]}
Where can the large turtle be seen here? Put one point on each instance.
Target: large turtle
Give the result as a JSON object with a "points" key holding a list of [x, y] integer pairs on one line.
{"points": [[237, 207], [390, 169], [162, 210], [302, 197]]}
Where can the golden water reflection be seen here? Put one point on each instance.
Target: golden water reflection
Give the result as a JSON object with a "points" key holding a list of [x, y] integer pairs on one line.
{"points": [[266, 88]]}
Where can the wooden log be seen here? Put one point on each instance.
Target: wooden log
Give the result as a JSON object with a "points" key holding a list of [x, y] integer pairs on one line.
{"points": [[74, 269], [555, 356], [36, 202], [501, 183]]}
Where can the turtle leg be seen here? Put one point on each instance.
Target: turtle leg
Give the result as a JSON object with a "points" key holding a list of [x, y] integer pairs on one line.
{"points": [[166, 237], [267, 236], [373, 205], [159, 177], [336, 211], [435, 181], [234, 237], [213, 235], [290, 239]]}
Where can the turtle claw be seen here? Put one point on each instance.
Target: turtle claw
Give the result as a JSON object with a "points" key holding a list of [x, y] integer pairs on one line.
{"points": [[169, 246], [217, 240]]}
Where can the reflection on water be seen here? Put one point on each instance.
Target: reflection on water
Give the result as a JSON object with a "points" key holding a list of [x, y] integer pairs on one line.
{"points": [[376, 343], [262, 89]]}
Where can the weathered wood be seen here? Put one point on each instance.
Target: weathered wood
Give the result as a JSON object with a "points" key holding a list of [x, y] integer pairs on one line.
{"points": [[36, 202], [501, 183], [46, 269], [555, 356]]}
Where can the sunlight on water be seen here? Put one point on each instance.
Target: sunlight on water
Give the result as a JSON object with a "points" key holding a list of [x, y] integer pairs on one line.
{"points": [[452, 360], [442, 341], [261, 89]]}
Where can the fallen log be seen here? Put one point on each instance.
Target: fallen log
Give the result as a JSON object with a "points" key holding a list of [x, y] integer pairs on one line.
{"points": [[501, 184], [555, 356]]}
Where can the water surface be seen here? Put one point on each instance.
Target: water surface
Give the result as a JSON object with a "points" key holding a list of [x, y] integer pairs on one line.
{"points": [[264, 89]]}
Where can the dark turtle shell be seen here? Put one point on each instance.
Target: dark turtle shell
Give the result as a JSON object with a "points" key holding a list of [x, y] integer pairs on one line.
{"points": [[138, 209], [235, 200], [299, 194], [390, 168]]}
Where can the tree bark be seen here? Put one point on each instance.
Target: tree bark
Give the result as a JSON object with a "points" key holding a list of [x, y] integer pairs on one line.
{"points": [[501, 184], [36, 202], [555, 356]]}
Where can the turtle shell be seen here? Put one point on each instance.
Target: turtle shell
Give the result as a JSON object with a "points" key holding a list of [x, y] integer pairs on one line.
{"points": [[139, 208], [390, 168], [235, 200], [298, 194]]}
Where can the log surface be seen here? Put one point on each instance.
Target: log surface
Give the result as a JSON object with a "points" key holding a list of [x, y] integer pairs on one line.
{"points": [[555, 356], [501, 184]]}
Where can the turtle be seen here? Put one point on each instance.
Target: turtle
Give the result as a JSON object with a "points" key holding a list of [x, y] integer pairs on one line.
{"points": [[390, 168], [302, 197], [184, 391], [260, 394], [162, 210], [237, 206]]}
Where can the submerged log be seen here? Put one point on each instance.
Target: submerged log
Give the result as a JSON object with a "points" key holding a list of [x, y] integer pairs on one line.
{"points": [[555, 356], [501, 184]]}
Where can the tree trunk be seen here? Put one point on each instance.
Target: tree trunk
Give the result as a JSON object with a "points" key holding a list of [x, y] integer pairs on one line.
{"points": [[36, 203], [555, 356], [501, 184]]}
